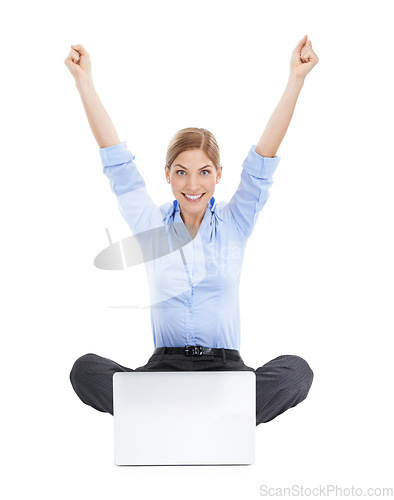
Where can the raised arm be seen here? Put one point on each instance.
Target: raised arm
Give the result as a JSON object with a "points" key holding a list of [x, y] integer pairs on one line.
{"points": [[278, 124], [303, 59], [78, 62], [261, 162], [126, 182]]}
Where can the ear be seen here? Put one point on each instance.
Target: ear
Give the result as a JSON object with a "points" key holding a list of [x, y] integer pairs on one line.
{"points": [[166, 172]]}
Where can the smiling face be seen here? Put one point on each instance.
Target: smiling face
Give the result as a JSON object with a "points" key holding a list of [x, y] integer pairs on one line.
{"points": [[193, 173]]}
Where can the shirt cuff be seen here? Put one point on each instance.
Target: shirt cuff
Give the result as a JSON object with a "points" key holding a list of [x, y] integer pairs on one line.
{"points": [[115, 155], [262, 167]]}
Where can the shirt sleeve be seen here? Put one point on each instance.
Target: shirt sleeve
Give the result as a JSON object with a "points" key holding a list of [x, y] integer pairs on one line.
{"points": [[126, 182], [252, 193]]}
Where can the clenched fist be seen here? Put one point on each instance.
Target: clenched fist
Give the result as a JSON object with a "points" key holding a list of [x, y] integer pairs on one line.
{"points": [[303, 58], [78, 62]]}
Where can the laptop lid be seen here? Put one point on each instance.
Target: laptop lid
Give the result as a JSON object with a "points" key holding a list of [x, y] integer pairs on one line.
{"points": [[184, 418]]}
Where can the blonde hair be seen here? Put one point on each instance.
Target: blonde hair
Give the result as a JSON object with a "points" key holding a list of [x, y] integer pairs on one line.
{"points": [[193, 138]]}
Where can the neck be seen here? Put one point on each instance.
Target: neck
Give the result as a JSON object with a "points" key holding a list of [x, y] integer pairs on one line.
{"points": [[194, 221]]}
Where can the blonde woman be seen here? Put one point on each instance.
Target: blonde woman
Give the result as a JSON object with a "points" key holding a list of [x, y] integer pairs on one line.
{"points": [[195, 319]]}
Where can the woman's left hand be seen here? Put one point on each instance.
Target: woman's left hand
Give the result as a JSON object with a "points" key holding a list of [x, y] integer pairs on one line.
{"points": [[303, 58]]}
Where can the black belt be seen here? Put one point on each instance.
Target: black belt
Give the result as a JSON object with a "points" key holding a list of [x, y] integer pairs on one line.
{"points": [[198, 350]]}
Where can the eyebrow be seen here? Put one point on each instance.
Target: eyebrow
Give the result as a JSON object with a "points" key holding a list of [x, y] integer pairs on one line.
{"points": [[177, 165]]}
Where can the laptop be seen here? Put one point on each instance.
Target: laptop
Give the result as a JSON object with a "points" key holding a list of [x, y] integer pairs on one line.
{"points": [[184, 418]]}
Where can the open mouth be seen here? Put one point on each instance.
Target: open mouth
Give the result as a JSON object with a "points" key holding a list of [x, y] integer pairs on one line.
{"points": [[193, 200]]}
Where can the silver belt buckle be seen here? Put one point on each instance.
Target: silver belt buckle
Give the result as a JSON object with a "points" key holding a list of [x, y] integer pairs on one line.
{"points": [[194, 350]]}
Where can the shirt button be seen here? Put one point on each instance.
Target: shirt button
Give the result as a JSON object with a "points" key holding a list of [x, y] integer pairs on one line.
{"points": [[189, 309]]}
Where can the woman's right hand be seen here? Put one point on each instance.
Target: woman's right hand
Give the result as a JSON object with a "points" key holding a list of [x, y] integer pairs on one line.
{"points": [[78, 62]]}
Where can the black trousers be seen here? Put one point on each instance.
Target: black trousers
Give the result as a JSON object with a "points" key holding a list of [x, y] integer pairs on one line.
{"points": [[281, 383]]}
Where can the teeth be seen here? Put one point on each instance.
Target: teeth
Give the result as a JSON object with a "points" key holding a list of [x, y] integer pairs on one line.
{"points": [[193, 197]]}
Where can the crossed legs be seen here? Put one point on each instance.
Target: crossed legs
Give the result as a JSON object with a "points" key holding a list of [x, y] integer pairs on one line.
{"points": [[282, 383]]}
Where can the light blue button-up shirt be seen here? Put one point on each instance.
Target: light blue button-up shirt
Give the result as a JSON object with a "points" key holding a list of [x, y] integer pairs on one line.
{"points": [[194, 292]]}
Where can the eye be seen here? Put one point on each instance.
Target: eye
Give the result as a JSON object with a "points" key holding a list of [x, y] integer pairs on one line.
{"points": [[207, 171]]}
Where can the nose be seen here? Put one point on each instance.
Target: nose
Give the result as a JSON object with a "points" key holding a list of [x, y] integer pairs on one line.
{"points": [[193, 185]]}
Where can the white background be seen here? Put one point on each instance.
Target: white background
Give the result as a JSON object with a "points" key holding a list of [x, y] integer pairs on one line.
{"points": [[317, 278]]}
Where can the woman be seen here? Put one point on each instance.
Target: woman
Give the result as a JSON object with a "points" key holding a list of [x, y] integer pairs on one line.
{"points": [[195, 318]]}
